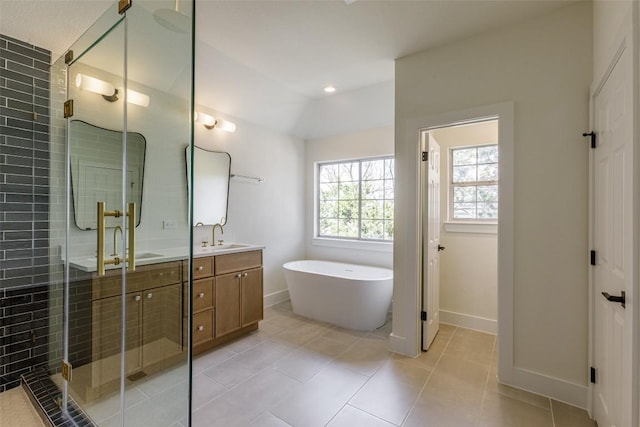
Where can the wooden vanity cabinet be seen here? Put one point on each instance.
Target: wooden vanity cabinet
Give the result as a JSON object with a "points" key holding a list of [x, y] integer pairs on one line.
{"points": [[161, 324], [228, 310], [154, 334], [240, 299], [237, 303], [252, 297], [203, 302], [239, 293]]}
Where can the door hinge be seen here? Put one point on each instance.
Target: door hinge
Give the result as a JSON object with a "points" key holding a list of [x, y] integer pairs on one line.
{"points": [[68, 57], [423, 316], [425, 156], [592, 375], [593, 257], [66, 370], [593, 138], [68, 108], [123, 6]]}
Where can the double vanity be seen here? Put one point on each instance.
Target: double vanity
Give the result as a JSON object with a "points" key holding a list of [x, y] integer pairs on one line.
{"points": [[227, 302]]}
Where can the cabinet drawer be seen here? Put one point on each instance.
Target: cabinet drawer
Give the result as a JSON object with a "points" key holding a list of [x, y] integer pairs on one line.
{"points": [[203, 291], [202, 267], [144, 277], [239, 261], [202, 326]]}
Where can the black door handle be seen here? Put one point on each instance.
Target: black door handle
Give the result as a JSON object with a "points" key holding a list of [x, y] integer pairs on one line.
{"points": [[613, 298], [441, 248]]}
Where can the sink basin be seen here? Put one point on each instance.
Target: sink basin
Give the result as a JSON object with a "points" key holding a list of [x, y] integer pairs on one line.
{"points": [[226, 246], [140, 256], [147, 255]]}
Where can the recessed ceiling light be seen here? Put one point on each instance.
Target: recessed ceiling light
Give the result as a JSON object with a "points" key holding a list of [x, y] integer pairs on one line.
{"points": [[329, 89]]}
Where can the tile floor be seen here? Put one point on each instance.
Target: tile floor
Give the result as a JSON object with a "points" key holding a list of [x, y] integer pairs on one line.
{"points": [[297, 372], [16, 410]]}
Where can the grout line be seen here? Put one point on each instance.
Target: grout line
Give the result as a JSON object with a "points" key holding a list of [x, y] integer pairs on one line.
{"points": [[413, 405], [486, 383]]}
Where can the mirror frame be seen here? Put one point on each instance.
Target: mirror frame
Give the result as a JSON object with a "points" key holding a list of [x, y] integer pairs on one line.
{"points": [[73, 195], [188, 165]]}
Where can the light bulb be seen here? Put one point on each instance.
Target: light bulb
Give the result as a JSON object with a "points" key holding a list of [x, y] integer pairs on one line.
{"points": [[226, 125], [137, 98], [94, 85]]}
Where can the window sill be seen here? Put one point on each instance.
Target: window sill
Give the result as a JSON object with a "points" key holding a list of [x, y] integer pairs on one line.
{"points": [[471, 227], [353, 244]]}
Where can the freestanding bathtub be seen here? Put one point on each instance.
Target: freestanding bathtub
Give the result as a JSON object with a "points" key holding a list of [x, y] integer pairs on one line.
{"points": [[347, 295]]}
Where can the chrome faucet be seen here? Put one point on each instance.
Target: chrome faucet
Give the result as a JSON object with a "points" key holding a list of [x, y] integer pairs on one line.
{"points": [[115, 241], [213, 234]]}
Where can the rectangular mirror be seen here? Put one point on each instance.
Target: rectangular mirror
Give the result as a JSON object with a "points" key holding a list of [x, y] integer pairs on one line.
{"points": [[211, 173], [96, 171]]}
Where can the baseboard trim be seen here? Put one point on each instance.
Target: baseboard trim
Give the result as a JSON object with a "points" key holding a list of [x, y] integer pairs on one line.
{"points": [[470, 322], [276, 298], [398, 344], [554, 388]]}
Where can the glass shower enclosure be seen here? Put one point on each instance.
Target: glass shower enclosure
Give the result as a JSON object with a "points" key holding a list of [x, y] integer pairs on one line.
{"points": [[122, 103]]}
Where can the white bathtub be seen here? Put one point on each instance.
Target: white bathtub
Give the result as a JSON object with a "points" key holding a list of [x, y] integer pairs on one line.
{"points": [[347, 295]]}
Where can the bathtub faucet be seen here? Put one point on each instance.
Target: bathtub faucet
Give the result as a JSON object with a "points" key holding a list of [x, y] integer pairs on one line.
{"points": [[213, 234]]}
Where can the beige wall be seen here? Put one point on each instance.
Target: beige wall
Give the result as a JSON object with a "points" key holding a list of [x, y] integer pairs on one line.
{"points": [[608, 16], [269, 213], [544, 66], [469, 265]]}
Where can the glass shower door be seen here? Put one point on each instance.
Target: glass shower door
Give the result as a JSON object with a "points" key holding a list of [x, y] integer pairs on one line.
{"points": [[127, 242], [95, 302]]}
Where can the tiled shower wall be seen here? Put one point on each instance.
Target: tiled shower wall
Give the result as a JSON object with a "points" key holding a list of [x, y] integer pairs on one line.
{"points": [[24, 209]]}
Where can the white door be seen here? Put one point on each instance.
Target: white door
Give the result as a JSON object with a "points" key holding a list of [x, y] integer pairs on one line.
{"points": [[613, 243], [431, 240]]}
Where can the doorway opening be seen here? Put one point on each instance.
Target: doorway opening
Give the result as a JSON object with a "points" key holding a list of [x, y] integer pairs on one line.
{"points": [[460, 213]]}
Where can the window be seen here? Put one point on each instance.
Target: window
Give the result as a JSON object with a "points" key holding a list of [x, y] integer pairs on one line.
{"points": [[474, 183], [355, 199]]}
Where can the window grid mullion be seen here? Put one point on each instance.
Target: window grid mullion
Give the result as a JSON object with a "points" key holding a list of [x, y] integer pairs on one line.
{"points": [[474, 184], [360, 192], [360, 200]]}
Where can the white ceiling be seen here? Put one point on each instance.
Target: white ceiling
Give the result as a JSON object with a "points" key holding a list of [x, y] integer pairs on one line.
{"points": [[266, 61]]}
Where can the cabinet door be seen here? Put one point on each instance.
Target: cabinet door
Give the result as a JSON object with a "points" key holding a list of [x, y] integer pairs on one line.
{"points": [[107, 324], [252, 297], [161, 323], [227, 303]]}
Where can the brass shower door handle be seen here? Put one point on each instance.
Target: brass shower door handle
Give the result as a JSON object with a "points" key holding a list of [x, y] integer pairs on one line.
{"points": [[130, 258]]}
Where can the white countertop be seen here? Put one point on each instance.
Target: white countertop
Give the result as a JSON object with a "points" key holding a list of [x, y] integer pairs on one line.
{"points": [[88, 263]]}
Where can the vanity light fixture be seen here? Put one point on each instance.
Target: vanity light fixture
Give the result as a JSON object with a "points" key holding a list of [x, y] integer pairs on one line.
{"points": [[108, 91], [211, 122], [137, 98]]}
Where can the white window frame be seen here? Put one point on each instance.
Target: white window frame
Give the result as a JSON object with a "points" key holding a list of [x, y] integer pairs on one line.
{"points": [[469, 225], [381, 245]]}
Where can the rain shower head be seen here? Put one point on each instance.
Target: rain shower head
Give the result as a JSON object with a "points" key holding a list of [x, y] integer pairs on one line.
{"points": [[173, 20]]}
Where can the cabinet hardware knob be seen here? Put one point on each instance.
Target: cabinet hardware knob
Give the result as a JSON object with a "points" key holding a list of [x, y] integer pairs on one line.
{"points": [[200, 268], [245, 274], [137, 298], [149, 295], [201, 295], [239, 275], [201, 328]]}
